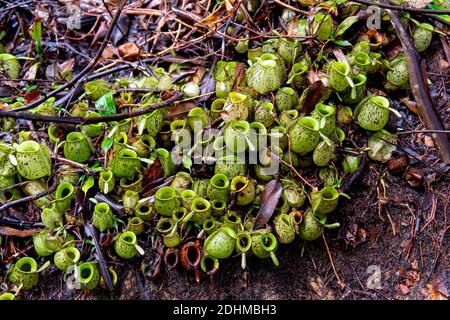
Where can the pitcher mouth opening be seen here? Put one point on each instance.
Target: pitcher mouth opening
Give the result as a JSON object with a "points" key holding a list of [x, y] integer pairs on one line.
{"points": [[310, 123], [268, 242], [218, 204], [380, 101], [102, 208], [74, 137], [64, 190], [200, 205], [165, 193], [359, 80], [340, 67], [128, 237], [106, 176], [86, 272], [126, 153], [324, 110], [329, 194], [27, 265], [28, 146], [144, 208]]}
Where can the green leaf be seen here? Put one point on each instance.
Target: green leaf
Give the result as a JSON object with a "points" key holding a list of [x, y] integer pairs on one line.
{"points": [[107, 143], [343, 43], [187, 162], [322, 218], [87, 184], [106, 105], [35, 32], [30, 88], [95, 165], [347, 23]]}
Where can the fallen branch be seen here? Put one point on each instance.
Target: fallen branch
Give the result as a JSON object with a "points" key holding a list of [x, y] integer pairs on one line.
{"points": [[79, 120], [420, 89]]}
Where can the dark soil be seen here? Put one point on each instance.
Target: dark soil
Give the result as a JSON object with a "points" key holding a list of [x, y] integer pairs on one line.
{"points": [[366, 239]]}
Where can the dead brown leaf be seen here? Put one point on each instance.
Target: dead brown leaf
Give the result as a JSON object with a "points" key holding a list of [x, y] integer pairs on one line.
{"points": [[211, 20], [129, 51], [398, 163], [8, 231]]}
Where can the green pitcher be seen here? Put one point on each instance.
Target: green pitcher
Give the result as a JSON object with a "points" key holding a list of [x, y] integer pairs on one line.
{"points": [[339, 75], [284, 228], [221, 243], [373, 113], [106, 181], [33, 160], [66, 257], [26, 273], [218, 188], [125, 245], [102, 217], [266, 74], [51, 217], [201, 209], [77, 147], [326, 115], [304, 135], [125, 163], [264, 245], [243, 190], [88, 275], [325, 200], [64, 195], [166, 200], [236, 107]]}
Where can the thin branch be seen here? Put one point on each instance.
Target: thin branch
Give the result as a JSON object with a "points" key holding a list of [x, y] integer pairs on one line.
{"points": [[82, 72], [8, 221], [29, 198], [422, 131], [79, 120]]}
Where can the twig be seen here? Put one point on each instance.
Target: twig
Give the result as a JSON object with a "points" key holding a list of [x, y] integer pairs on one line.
{"points": [[8, 221], [82, 72], [422, 131], [91, 232], [401, 8], [420, 89], [29, 198], [79, 120], [15, 5], [281, 3], [341, 284]]}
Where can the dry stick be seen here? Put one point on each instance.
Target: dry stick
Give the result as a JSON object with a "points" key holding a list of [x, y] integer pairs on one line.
{"points": [[29, 198], [401, 8], [80, 120], [422, 131], [420, 90], [82, 72], [8, 221], [341, 284]]}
